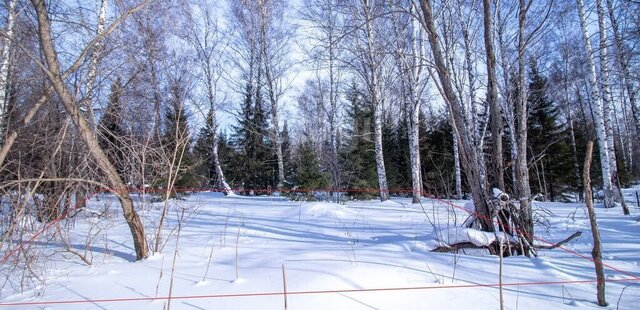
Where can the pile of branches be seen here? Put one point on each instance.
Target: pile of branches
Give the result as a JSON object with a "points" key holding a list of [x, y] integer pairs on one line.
{"points": [[508, 224]]}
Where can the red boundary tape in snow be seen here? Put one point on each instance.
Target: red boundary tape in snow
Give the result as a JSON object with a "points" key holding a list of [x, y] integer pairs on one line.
{"points": [[633, 278], [491, 285]]}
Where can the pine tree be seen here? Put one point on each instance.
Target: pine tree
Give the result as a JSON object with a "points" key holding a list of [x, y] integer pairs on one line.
{"points": [[359, 157], [437, 159], [111, 131], [258, 165], [309, 173], [176, 141], [286, 154], [395, 146], [202, 153], [550, 151]]}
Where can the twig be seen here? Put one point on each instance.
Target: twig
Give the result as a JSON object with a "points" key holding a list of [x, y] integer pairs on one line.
{"points": [[284, 286]]}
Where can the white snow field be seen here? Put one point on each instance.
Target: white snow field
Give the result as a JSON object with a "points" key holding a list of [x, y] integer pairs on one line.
{"points": [[361, 255]]}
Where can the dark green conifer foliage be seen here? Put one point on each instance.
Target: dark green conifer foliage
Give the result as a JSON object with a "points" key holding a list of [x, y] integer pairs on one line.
{"points": [[549, 148], [359, 159], [111, 130], [309, 173], [257, 169], [176, 140], [437, 156]]}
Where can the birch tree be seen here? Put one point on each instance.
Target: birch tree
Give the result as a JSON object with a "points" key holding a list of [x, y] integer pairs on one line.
{"points": [[52, 69], [623, 63], [6, 42], [369, 61], [608, 105], [204, 37], [522, 168], [326, 38], [274, 35], [410, 63], [598, 111], [468, 152], [492, 96]]}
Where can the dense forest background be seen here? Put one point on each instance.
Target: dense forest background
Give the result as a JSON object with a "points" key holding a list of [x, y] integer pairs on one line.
{"points": [[322, 94]]}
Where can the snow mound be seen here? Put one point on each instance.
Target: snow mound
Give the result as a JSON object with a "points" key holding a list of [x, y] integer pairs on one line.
{"points": [[459, 234], [327, 209]]}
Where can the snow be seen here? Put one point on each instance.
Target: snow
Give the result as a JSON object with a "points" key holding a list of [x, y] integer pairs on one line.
{"points": [[324, 247]]}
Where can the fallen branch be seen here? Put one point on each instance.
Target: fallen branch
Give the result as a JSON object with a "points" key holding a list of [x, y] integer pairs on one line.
{"points": [[452, 248], [561, 243]]}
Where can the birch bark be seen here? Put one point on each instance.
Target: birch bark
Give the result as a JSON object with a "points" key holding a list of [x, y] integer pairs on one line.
{"points": [[5, 55], [597, 109]]}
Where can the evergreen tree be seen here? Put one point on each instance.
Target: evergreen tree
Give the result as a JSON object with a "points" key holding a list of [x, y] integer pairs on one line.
{"points": [[438, 167], [258, 165], [550, 152], [176, 140], [202, 153], [309, 173], [286, 155], [396, 150], [111, 131], [359, 158]]}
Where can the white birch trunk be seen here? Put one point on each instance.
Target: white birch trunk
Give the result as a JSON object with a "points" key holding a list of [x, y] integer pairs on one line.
{"points": [[597, 109], [456, 162], [92, 72], [373, 76], [522, 169], [4, 66], [214, 122], [607, 98], [274, 92], [624, 68], [608, 106]]}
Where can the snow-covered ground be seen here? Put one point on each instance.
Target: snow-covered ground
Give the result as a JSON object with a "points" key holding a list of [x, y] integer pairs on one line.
{"points": [[231, 252]]}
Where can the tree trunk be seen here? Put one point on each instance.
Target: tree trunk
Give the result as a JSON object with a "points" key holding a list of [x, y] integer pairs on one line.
{"points": [[374, 86], [596, 253], [92, 71], [492, 98], [607, 104], [456, 164], [377, 137], [522, 169], [624, 67], [214, 123], [598, 114], [118, 187], [468, 152], [5, 54], [271, 84]]}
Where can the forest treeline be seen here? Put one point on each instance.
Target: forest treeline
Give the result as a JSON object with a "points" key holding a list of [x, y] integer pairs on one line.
{"points": [[449, 98]]}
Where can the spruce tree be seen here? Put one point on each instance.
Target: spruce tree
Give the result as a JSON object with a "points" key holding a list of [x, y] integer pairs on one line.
{"points": [[202, 153], [176, 141], [309, 173], [111, 131], [257, 168], [550, 152], [359, 159]]}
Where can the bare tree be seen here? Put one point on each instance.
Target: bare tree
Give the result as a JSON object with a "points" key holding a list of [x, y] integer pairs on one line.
{"points": [[608, 105], [623, 62], [327, 32], [410, 62], [203, 36], [492, 96], [468, 152], [370, 57], [598, 111], [54, 73], [5, 55]]}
